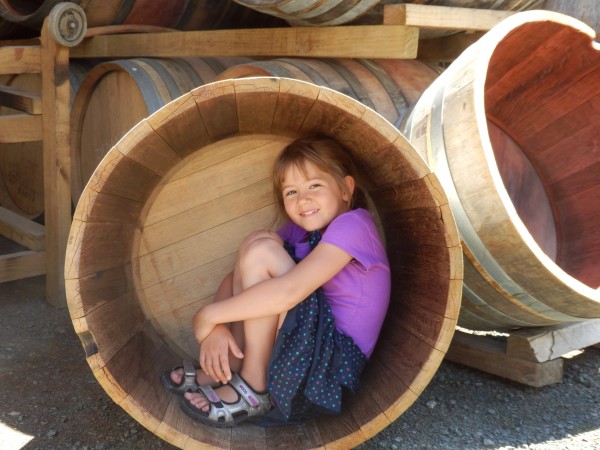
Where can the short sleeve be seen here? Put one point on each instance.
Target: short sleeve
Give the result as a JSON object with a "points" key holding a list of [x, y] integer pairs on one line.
{"points": [[355, 233]]}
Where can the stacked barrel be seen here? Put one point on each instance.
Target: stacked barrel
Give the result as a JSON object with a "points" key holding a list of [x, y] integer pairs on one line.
{"points": [[486, 172]]}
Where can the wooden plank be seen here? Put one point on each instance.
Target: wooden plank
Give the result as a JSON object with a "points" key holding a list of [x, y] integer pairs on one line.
{"points": [[22, 230], [548, 343], [20, 128], [489, 355], [20, 60], [16, 266], [21, 100], [376, 41], [443, 17], [56, 94], [447, 48]]}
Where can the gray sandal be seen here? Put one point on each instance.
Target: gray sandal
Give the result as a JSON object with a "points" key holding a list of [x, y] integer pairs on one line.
{"points": [[222, 414], [188, 381]]}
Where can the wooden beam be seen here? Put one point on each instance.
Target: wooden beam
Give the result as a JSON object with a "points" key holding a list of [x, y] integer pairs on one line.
{"points": [[376, 41], [57, 162], [489, 355], [20, 128], [447, 48], [547, 343], [22, 230], [16, 266], [19, 60], [443, 17], [21, 100]]}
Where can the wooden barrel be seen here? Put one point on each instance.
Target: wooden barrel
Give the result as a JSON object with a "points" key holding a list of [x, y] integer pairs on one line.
{"points": [[161, 219], [511, 129], [387, 86], [178, 14], [336, 12], [22, 164], [588, 11], [116, 95]]}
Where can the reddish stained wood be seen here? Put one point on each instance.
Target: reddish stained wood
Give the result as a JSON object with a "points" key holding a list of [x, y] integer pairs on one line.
{"points": [[525, 189]]}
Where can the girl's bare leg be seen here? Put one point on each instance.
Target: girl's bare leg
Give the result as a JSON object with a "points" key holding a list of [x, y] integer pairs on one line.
{"points": [[224, 291], [261, 257]]}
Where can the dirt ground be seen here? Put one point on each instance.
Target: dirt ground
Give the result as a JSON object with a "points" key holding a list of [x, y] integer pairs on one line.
{"points": [[49, 398]]}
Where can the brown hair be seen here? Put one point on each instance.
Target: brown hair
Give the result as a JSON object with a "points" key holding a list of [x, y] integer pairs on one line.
{"points": [[327, 155]]}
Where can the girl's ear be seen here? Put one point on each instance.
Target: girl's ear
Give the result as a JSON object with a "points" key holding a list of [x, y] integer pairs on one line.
{"points": [[349, 182]]}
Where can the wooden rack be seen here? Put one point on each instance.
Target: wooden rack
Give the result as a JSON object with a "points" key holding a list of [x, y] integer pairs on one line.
{"points": [[531, 356], [47, 118]]}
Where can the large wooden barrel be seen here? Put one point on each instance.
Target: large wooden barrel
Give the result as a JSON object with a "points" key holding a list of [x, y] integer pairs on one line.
{"points": [[22, 164], [336, 12], [161, 219], [387, 86], [116, 95], [178, 14], [512, 130]]}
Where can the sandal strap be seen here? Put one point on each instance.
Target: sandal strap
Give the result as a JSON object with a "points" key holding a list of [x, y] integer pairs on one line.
{"points": [[188, 380], [244, 390], [211, 395]]}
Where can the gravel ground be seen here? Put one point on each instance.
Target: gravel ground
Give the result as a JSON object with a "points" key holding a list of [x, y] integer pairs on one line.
{"points": [[49, 398]]}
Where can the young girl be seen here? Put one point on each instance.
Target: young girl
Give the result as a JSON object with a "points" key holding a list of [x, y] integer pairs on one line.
{"points": [[305, 304]]}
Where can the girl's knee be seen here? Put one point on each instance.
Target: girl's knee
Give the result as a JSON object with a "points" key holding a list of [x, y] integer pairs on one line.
{"points": [[259, 240], [264, 249]]}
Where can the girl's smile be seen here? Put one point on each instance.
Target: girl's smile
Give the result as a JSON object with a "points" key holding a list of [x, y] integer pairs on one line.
{"points": [[313, 198]]}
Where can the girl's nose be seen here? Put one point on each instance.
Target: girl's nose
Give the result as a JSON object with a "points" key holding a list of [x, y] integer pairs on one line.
{"points": [[303, 196]]}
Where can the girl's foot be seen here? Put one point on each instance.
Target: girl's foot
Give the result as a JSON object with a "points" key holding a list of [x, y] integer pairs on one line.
{"points": [[199, 401], [201, 377], [185, 378], [228, 405]]}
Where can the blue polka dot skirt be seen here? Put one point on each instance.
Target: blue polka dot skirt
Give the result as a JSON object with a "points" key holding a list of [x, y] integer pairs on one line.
{"points": [[312, 362]]}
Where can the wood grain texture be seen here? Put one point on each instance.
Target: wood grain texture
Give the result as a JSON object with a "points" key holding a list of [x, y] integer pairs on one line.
{"points": [[317, 42], [517, 163], [191, 206], [21, 158], [387, 86], [116, 95]]}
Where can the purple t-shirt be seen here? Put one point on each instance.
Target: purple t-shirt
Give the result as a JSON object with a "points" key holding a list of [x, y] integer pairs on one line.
{"points": [[360, 293]]}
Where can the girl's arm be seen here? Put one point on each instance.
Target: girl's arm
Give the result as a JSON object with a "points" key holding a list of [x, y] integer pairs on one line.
{"points": [[275, 295]]}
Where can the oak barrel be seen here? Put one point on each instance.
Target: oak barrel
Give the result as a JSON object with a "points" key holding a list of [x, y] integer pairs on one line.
{"points": [[336, 12], [588, 11], [511, 130], [160, 221], [116, 95], [178, 14], [22, 164], [387, 86]]}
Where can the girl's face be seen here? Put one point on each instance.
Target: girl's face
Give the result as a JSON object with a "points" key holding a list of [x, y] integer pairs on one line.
{"points": [[314, 199]]}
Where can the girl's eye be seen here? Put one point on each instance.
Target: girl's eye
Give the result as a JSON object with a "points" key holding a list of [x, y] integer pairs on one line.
{"points": [[289, 193], [314, 186]]}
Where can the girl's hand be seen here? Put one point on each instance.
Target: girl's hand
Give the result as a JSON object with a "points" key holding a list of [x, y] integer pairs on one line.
{"points": [[214, 353]]}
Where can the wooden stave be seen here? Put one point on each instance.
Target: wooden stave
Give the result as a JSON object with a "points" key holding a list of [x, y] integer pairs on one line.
{"points": [[23, 191], [153, 82], [387, 86], [545, 294], [588, 11], [373, 408], [184, 15], [332, 12]]}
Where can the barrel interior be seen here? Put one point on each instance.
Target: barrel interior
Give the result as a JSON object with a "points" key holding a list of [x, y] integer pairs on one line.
{"points": [[159, 224], [542, 103]]}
